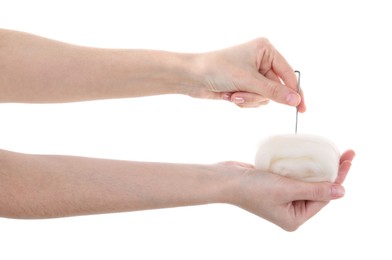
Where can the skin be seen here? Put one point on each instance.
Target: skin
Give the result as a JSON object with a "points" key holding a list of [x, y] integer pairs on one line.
{"points": [[38, 70]]}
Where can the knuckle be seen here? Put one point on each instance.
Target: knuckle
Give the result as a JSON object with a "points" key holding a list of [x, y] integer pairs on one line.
{"points": [[291, 226], [263, 103], [318, 192], [262, 46], [272, 90], [262, 42]]}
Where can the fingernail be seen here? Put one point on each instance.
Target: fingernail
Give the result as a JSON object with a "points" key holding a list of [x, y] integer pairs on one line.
{"points": [[293, 99], [226, 96], [238, 100], [337, 191]]}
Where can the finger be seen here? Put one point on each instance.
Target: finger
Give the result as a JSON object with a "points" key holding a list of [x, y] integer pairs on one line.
{"points": [[321, 191], [302, 106], [272, 76], [302, 211], [238, 164], [276, 91], [253, 105], [284, 71], [282, 93], [347, 156], [345, 165], [313, 207], [226, 95], [247, 97], [343, 171]]}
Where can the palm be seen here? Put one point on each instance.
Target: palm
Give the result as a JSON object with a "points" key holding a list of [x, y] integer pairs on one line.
{"points": [[301, 210], [280, 199]]}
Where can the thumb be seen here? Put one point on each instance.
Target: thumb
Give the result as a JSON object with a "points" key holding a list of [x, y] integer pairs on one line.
{"points": [[277, 92], [321, 191]]}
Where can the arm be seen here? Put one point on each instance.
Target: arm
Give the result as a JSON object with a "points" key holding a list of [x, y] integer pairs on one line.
{"points": [[46, 186], [36, 70]]}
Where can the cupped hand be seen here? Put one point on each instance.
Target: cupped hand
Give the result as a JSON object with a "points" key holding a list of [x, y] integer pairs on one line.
{"points": [[249, 75], [285, 202]]}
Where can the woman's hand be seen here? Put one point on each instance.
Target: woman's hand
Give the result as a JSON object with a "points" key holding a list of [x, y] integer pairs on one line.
{"points": [[285, 202], [40, 70], [71, 186], [249, 75]]}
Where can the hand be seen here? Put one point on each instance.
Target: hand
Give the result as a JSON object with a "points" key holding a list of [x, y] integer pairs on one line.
{"points": [[249, 75], [285, 202]]}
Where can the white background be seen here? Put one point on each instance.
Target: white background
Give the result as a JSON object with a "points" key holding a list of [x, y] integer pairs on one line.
{"points": [[342, 48]]}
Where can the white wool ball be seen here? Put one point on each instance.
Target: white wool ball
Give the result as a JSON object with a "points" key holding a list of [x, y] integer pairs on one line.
{"points": [[303, 157]]}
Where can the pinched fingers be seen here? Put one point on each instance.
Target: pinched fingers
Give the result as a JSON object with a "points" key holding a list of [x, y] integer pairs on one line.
{"points": [[272, 76]]}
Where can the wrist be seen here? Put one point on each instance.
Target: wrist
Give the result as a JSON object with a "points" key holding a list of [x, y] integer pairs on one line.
{"points": [[228, 178], [164, 72], [185, 72]]}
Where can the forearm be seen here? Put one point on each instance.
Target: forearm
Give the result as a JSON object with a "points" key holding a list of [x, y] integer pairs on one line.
{"points": [[41, 186], [38, 70]]}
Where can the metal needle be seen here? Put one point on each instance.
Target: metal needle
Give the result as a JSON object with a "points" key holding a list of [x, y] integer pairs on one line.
{"points": [[299, 91]]}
